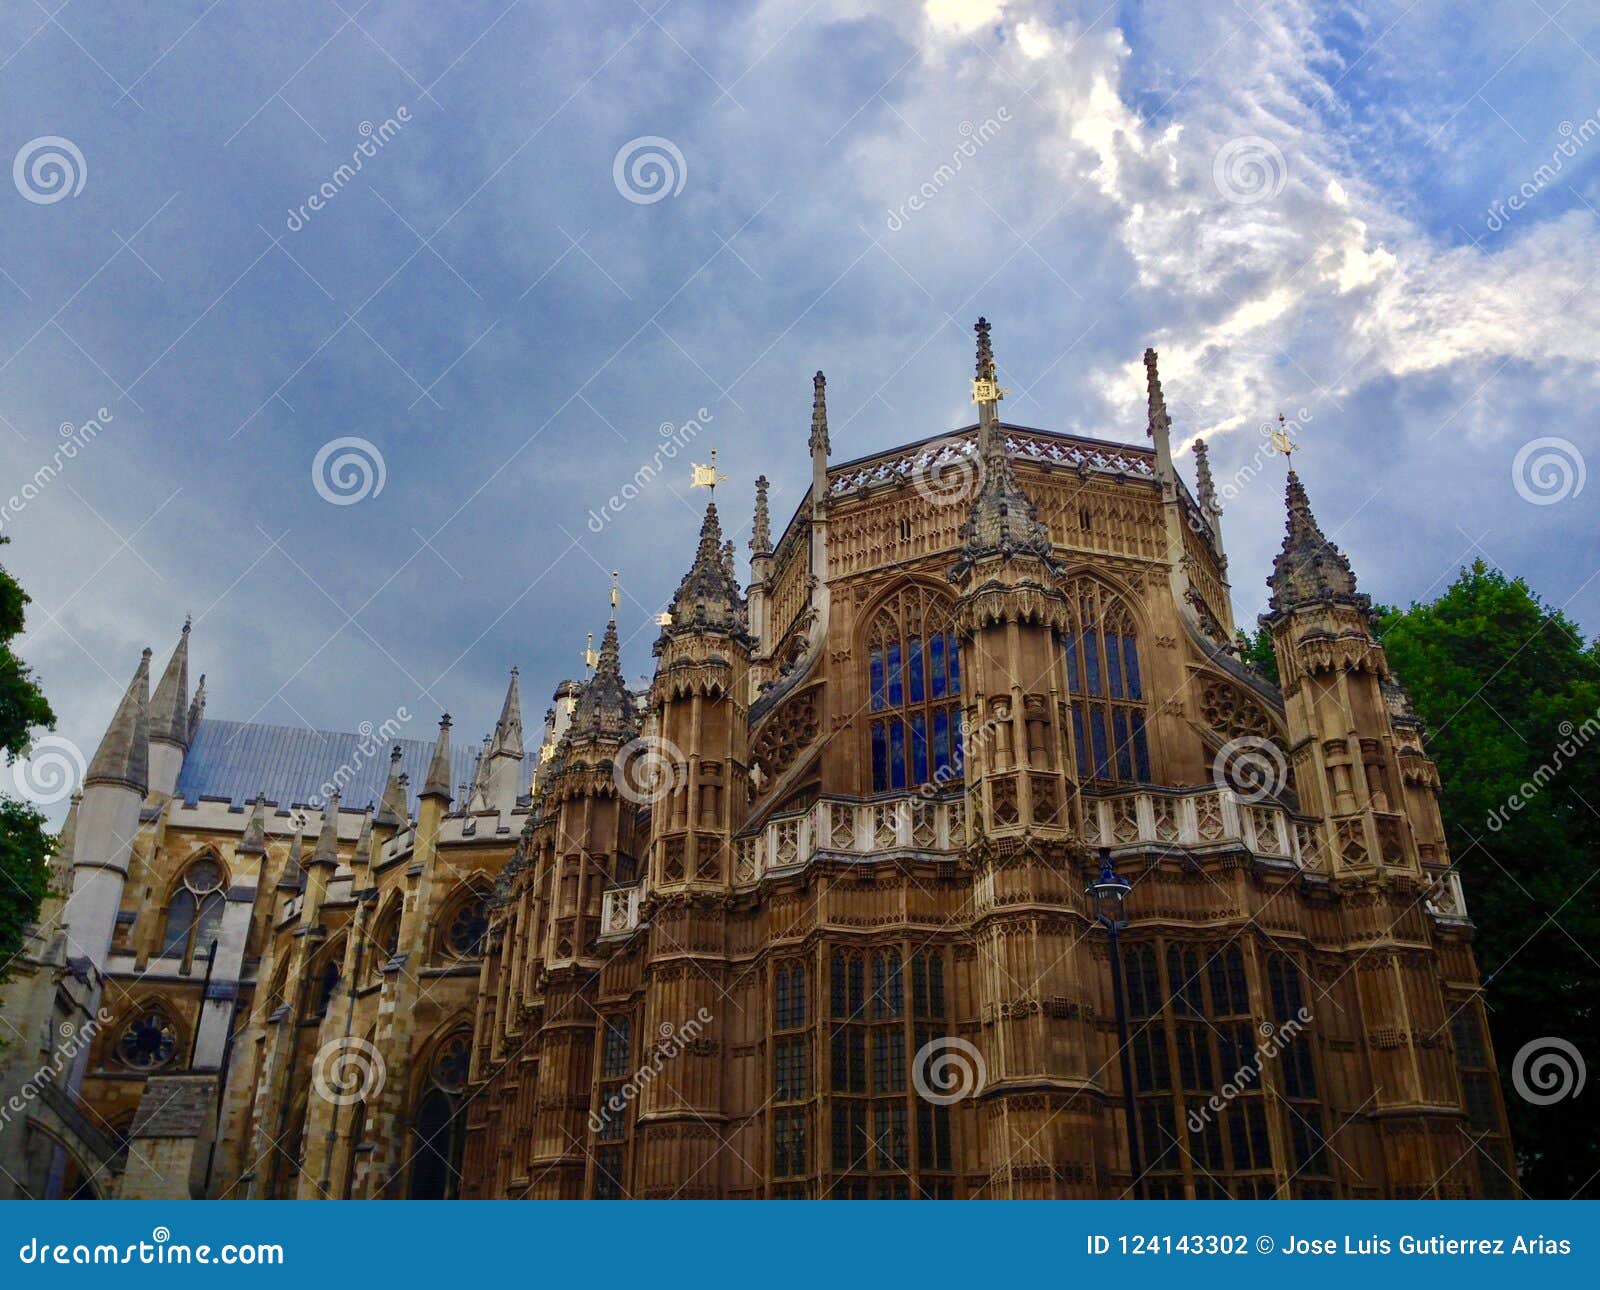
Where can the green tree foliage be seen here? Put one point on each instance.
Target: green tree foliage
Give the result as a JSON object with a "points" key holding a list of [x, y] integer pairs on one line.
{"points": [[1509, 694], [25, 845]]}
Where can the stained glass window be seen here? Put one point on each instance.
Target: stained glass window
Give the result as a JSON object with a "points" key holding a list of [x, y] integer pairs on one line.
{"points": [[914, 682], [1107, 688], [194, 913]]}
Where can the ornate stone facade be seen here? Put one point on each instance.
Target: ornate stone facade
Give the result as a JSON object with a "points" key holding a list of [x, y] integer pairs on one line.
{"points": [[808, 918]]}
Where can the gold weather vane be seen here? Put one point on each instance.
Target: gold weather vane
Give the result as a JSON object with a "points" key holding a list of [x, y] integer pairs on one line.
{"points": [[664, 618], [590, 658], [707, 476], [1283, 442], [616, 594], [984, 391]]}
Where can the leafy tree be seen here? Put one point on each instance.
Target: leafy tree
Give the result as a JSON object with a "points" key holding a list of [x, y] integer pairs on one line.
{"points": [[25, 844], [1509, 694], [1255, 649]]}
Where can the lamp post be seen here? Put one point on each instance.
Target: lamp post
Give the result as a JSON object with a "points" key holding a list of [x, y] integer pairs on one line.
{"points": [[1109, 894]]}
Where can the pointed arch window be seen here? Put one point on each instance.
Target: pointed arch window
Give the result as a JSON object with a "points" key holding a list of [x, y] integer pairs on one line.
{"points": [[438, 1128], [1105, 679], [914, 687], [194, 912]]}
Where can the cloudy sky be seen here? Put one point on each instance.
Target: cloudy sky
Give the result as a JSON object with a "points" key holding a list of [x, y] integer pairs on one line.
{"points": [[571, 226]]}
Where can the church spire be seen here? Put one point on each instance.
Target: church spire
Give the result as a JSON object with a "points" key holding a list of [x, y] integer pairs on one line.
{"points": [[437, 783], [818, 443], [507, 741], [605, 708], [1003, 520], [1205, 487], [1309, 569], [197, 707], [327, 852], [761, 527], [708, 598], [293, 876], [254, 841], [169, 708], [394, 808], [124, 753]]}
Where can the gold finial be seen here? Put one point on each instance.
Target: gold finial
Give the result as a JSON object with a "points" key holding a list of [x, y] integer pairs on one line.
{"points": [[664, 618], [616, 595], [706, 476], [590, 658], [1282, 442]]}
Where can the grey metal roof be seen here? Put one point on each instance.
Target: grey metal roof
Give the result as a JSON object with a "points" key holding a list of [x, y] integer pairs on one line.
{"points": [[235, 760]]}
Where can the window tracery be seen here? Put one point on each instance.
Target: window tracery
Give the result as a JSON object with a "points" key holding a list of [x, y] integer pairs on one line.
{"points": [[1106, 682], [194, 911], [914, 686]]}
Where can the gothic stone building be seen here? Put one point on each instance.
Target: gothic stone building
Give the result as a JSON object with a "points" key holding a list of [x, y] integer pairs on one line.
{"points": [[808, 918]]}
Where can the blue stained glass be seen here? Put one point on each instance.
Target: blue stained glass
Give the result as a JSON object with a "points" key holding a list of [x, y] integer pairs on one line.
{"points": [[897, 754], [914, 668], [1072, 665], [919, 748], [955, 740], [875, 667], [1141, 753], [941, 742], [880, 759], [896, 689], [1102, 754], [1091, 662], [936, 666], [955, 665], [1119, 719], [1077, 738], [1114, 665], [1130, 660]]}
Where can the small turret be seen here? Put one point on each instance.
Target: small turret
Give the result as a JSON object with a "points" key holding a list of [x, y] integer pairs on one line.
{"points": [[394, 808], [254, 840], [124, 754], [437, 784]]}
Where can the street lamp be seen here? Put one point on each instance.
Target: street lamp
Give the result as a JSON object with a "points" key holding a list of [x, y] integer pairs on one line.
{"points": [[1109, 894]]}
